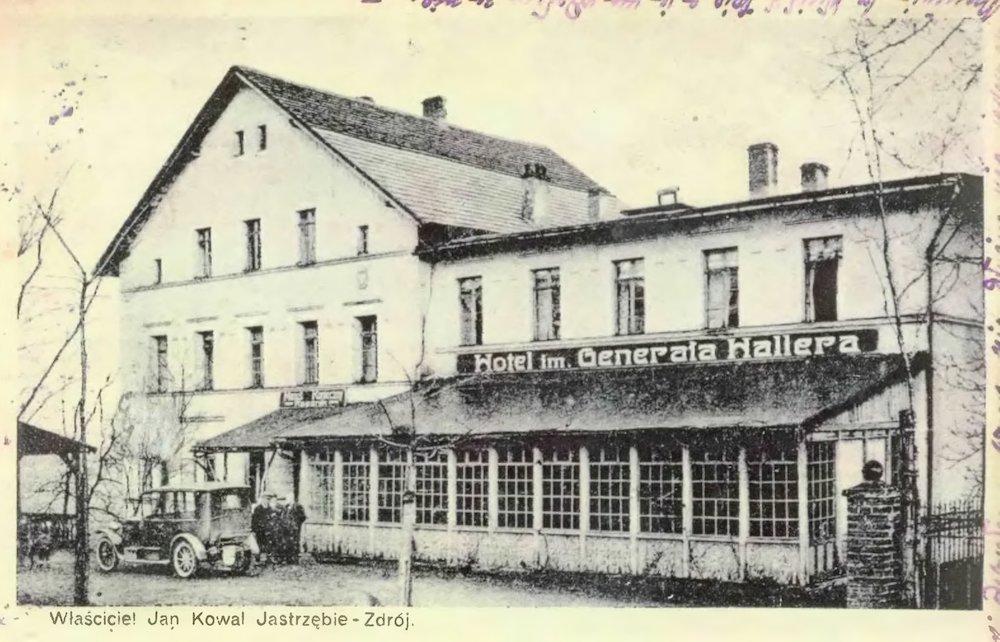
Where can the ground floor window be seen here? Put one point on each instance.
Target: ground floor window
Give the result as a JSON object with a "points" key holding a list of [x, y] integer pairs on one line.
{"points": [[822, 491], [432, 487], [391, 482], [715, 491], [774, 494], [609, 489], [472, 488], [357, 483], [561, 489], [661, 501], [321, 492], [515, 488]]}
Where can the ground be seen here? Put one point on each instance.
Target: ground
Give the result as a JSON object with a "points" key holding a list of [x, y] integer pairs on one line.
{"points": [[310, 583], [306, 584]]}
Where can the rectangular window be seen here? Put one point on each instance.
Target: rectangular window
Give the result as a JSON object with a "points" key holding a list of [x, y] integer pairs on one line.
{"points": [[207, 360], [256, 356], [204, 268], [774, 494], [391, 481], [262, 137], [157, 271], [515, 488], [161, 366], [822, 498], [609, 489], [722, 290], [631, 297], [253, 244], [661, 505], [368, 329], [472, 488], [239, 142], [715, 492], [822, 264], [547, 313], [357, 483], [470, 295], [432, 488], [362, 240], [307, 237], [321, 490], [561, 489], [310, 352]]}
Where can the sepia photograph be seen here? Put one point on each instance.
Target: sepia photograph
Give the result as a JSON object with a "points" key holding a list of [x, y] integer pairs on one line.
{"points": [[639, 308]]}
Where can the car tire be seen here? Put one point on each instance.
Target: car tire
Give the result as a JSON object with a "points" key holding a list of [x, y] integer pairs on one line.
{"points": [[246, 563], [184, 560], [107, 555]]}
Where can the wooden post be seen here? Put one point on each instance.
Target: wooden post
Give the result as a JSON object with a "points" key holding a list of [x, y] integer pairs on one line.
{"points": [[408, 516], [537, 521], [803, 487], [687, 496], [744, 514], [493, 489], [584, 503], [338, 492], [840, 516], [634, 514], [372, 497], [452, 489]]}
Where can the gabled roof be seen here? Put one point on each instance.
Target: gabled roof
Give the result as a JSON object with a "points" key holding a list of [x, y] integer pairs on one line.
{"points": [[436, 172], [32, 440]]}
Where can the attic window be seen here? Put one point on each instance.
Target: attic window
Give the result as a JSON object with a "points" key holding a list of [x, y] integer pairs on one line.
{"points": [[262, 132], [239, 142]]}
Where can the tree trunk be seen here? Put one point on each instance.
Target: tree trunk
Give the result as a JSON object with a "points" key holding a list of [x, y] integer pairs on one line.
{"points": [[409, 520], [81, 567]]}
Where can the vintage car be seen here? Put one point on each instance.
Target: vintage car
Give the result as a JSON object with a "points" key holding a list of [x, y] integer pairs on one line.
{"points": [[188, 527]]}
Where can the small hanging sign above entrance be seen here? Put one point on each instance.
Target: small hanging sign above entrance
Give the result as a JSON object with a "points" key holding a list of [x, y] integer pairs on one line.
{"points": [[749, 348], [312, 398]]}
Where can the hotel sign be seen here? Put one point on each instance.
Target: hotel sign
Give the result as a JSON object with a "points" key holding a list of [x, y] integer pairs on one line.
{"points": [[312, 398], [707, 349]]}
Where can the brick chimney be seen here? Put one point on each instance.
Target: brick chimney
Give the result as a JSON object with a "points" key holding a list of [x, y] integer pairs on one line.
{"points": [[601, 205], [763, 166], [814, 177], [535, 206], [434, 108]]}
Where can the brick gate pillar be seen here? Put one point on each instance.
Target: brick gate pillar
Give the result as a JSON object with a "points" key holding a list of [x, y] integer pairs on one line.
{"points": [[874, 563]]}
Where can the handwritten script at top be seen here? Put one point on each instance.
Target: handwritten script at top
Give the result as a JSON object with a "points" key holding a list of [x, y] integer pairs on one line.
{"points": [[573, 9]]}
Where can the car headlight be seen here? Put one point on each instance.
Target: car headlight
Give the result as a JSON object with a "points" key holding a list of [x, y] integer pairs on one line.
{"points": [[115, 526]]}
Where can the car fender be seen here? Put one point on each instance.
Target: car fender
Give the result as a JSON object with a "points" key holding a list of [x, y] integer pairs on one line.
{"points": [[113, 536], [199, 548]]}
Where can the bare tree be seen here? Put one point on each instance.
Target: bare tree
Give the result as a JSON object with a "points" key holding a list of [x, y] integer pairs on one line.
{"points": [[910, 84]]}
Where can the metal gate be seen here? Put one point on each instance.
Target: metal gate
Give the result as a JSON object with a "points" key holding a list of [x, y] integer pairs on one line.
{"points": [[953, 577]]}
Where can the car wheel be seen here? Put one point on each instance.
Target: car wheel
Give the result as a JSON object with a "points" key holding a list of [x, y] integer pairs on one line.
{"points": [[184, 560], [245, 564], [107, 555]]}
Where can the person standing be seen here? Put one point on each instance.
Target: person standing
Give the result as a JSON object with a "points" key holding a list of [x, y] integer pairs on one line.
{"points": [[260, 520], [297, 515]]}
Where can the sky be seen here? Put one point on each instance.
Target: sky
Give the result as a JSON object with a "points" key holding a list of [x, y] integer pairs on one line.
{"points": [[95, 102]]}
